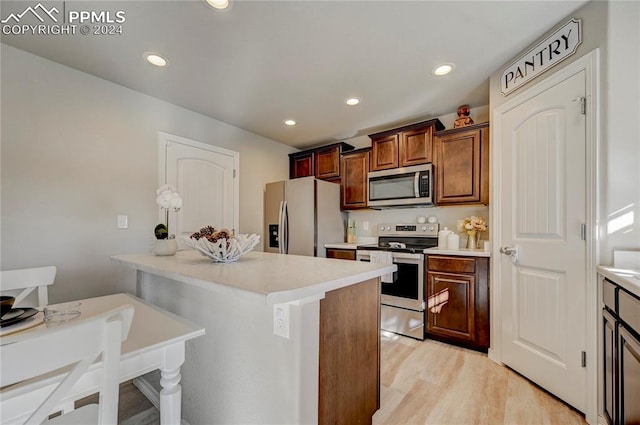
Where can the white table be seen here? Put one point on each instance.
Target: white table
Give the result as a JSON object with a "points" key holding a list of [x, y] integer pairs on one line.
{"points": [[156, 341]]}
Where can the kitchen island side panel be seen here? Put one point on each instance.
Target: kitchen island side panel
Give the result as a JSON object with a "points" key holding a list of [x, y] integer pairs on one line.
{"points": [[350, 354], [240, 372]]}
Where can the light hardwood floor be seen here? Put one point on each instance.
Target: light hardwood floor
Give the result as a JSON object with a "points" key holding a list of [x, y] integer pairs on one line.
{"points": [[432, 383], [429, 382], [131, 402]]}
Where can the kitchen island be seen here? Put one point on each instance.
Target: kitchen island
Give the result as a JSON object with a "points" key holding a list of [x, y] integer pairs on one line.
{"points": [[289, 339]]}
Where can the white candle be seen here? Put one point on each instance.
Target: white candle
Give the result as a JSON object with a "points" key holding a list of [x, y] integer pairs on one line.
{"points": [[453, 242]]}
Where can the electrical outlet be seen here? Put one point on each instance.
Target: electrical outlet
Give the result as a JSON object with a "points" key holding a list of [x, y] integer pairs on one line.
{"points": [[281, 320], [365, 225]]}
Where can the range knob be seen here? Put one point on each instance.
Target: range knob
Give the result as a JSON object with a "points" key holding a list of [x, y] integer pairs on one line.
{"points": [[432, 228], [424, 228], [388, 228]]}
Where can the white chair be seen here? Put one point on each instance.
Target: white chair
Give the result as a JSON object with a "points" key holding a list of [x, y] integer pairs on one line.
{"points": [[28, 280], [75, 346]]}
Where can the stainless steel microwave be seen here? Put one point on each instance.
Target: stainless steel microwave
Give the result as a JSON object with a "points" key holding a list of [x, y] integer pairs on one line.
{"points": [[401, 187]]}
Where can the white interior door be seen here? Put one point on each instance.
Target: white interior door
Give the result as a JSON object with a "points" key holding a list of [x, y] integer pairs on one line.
{"points": [[206, 178], [543, 142]]}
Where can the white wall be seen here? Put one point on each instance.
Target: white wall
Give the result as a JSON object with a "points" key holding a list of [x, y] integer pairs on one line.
{"points": [[621, 142], [613, 27], [77, 151]]}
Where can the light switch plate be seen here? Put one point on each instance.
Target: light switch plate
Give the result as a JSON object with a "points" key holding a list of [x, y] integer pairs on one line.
{"points": [[123, 222]]}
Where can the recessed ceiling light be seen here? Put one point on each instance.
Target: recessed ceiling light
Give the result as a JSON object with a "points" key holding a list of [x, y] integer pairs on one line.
{"points": [[443, 69], [218, 4], [155, 59], [352, 101], [290, 122]]}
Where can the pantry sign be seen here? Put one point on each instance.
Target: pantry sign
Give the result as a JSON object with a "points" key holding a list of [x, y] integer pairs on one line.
{"points": [[552, 50]]}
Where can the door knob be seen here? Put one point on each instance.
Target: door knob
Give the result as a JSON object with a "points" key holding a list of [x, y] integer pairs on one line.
{"points": [[511, 251], [508, 250]]}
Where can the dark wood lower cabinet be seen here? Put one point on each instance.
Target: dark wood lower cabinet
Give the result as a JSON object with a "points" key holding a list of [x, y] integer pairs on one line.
{"points": [[342, 254], [349, 376], [620, 377], [609, 357], [629, 377], [457, 304]]}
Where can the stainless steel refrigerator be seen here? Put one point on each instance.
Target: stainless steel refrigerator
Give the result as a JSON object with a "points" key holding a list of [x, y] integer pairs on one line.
{"points": [[301, 215]]}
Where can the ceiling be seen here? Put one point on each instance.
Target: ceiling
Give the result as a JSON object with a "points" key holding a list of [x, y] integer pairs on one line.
{"points": [[262, 62]]}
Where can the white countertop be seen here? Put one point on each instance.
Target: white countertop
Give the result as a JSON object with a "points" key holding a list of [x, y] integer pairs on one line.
{"points": [[341, 245], [628, 279], [276, 278], [462, 251]]}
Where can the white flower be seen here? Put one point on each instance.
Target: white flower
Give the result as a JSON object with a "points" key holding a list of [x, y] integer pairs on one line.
{"points": [[168, 198]]}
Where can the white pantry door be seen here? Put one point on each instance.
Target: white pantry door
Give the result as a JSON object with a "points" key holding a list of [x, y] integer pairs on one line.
{"points": [[543, 149], [206, 178]]}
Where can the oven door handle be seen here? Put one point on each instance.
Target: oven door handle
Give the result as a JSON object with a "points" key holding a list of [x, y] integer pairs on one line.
{"points": [[365, 255], [408, 256]]}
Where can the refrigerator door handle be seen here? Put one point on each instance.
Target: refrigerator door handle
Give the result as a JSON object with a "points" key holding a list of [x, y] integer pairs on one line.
{"points": [[285, 223], [281, 228]]}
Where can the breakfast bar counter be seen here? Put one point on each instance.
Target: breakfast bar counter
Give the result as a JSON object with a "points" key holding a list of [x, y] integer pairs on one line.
{"points": [[289, 339], [272, 278]]}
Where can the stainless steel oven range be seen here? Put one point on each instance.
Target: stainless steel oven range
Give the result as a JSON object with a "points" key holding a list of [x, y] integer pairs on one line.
{"points": [[402, 309]]}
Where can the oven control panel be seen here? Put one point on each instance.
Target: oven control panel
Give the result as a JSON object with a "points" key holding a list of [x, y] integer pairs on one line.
{"points": [[401, 229]]}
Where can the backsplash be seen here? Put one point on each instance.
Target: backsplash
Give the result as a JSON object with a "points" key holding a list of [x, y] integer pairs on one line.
{"points": [[447, 217]]}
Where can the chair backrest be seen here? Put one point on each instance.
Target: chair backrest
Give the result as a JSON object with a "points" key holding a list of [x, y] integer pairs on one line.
{"points": [[28, 280], [77, 344]]}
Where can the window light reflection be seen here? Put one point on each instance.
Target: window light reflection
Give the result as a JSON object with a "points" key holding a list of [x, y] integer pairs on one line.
{"points": [[438, 300], [621, 220]]}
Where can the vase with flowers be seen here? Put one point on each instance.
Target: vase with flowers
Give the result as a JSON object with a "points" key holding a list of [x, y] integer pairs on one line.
{"points": [[472, 226], [167, 199]]}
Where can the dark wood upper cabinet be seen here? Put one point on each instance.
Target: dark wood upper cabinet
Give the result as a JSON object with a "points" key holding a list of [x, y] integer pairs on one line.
{"points": [[353, 188], [384, 152], [457, 291], [416, 146], [461, 160], [322, 162], [301, 165], [404, 146], [328, 163]]}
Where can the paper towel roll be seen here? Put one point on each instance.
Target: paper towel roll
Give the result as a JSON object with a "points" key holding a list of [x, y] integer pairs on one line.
{"points": [[453, 242]]}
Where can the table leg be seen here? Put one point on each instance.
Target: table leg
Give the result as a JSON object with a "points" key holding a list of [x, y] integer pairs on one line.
{"points": [[171, 392]]}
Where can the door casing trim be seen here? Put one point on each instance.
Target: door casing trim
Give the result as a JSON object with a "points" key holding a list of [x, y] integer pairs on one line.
{"points": [[590, 63]]}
